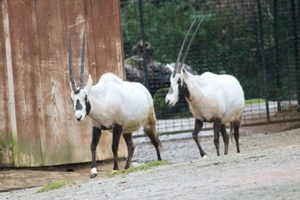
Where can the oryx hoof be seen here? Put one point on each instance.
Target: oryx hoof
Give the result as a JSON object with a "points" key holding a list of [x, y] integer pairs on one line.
{"points": [[93, 172], [93, 175]]}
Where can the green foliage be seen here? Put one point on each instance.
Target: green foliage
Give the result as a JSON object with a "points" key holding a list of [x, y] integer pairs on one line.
{"points": [[161, 31], [228, 41], [253, 101], [51, 186], [139, 168]]}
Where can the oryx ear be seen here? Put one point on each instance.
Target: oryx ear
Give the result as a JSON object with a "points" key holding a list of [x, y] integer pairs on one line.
{"points": [[171, 68], [183, 70], [89, 84], [184, 73]]}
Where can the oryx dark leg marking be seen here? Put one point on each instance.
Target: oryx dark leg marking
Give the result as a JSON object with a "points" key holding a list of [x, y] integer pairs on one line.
{"points": [[236, 133], [115, 144], [94, 143], [217, 129], [225, 138], [197, 128], [130, 147], [154, 139]]}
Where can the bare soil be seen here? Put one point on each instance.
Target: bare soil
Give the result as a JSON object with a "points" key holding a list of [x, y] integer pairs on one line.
{"points": [[268, 167]]}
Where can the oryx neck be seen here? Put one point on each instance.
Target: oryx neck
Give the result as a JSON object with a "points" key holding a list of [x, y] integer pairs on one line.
{"points": [[88, 106], [184, 90]]}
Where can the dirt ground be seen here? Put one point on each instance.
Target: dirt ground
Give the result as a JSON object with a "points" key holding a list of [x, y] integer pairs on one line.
{"points": [[268, 167]]}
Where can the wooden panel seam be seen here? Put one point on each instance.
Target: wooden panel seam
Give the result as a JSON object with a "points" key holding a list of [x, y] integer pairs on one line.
{"points": [[10, 81]]}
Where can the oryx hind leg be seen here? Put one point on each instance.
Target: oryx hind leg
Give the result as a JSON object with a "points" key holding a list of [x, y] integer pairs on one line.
{"points": [[130, 148], [115, 144], [236, 133], [225, 138], [217, 130], [150, 130]]}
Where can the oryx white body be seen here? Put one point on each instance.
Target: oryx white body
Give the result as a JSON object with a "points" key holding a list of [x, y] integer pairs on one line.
{"points": [[117, 106], [114, 101], [211, 97]]}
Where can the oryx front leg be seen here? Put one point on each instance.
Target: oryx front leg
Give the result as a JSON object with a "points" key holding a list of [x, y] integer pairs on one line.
{"points": [[197, 128], [115, 145], [94, 143], [130, 147]]}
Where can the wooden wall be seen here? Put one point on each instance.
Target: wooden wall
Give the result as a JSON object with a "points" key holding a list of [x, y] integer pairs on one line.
{"points": [[37, 125]]}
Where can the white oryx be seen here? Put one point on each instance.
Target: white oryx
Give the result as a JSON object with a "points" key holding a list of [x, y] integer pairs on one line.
{"points": [[115, 105], [211, 98]]}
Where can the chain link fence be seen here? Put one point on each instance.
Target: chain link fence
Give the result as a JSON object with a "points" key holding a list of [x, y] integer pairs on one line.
{"points": [[257, 41]]}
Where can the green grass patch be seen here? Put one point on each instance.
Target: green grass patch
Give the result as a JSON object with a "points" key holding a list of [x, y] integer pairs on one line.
{"points": [[251, 101], [51, 186], [139, 168]]}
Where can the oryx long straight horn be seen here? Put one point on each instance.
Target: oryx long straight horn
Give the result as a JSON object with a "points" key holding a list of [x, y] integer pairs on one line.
{"points": [[73, 85], [177, 68], [82, 61], [182, 46], [188, 47]]}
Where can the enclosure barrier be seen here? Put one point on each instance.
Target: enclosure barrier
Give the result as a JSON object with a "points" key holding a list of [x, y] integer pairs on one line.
{"points": [[257, 41]]}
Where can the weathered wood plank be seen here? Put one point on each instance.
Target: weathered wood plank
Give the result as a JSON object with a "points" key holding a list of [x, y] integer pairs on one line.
{"points": [[7, 102], [107, 36], [40, 128], [21, 142], [55, 139]]}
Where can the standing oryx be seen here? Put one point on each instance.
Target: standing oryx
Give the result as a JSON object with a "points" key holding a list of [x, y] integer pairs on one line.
{"points": [[115, 105], [211, 97]]}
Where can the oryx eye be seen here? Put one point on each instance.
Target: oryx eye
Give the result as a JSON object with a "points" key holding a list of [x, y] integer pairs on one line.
{"points": [[178, 81]]}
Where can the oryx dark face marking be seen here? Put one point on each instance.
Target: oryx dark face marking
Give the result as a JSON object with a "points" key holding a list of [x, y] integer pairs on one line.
{"points": [[183, 91], [78, 105], [178, 89], [81, 105]]}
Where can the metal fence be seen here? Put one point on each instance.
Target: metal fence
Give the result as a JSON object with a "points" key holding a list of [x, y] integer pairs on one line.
{"points": [[257, 41]]}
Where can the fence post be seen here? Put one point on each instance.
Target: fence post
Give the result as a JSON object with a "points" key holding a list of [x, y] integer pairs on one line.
{"points": [[143, 41], [263, 62], [277, 60], [294, 23]]}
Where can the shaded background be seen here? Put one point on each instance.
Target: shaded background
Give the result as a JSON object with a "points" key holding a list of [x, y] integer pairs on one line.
{"points": [[257, 41]]}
